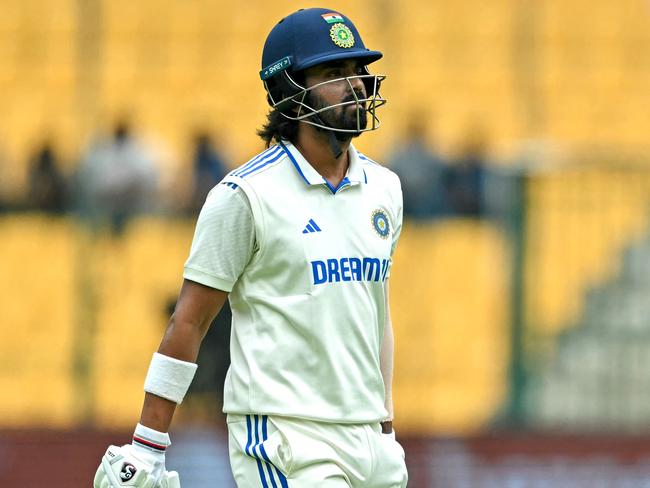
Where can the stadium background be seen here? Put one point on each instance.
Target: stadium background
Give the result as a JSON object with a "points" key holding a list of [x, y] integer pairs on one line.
{"points": [[522, 339]]}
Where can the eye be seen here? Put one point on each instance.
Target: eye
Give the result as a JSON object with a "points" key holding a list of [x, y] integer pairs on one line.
{"points": [[335, 73]]}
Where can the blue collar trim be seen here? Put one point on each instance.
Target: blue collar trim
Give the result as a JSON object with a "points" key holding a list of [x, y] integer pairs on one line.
{"points": [[295, 163], [344, 182]]}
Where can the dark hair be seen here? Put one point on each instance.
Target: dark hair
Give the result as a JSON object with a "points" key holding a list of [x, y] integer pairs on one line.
{"points": [[278, 127]]}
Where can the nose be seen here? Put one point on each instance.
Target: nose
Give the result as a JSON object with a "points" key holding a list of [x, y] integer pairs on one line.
{"points": [[358, 86]]}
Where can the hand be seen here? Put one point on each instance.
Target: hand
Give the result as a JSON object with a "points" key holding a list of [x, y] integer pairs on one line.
{"points": [[129, 466], [386, 426]]}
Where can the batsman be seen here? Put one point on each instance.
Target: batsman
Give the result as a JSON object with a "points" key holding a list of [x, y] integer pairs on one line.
{"points": [[300, 240]]}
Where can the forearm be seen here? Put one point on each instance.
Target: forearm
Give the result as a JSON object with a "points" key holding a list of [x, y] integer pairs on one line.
{"points": [[157, 412], [181, 341], [386, 365], [196, 308], [386, 356]]}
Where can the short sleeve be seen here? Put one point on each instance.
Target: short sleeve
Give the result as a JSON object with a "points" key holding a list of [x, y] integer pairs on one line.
{"points": [[224, 239]]}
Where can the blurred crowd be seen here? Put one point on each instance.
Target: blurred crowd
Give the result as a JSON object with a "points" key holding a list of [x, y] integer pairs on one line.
{"points": [[118, 177], [437, 186]]}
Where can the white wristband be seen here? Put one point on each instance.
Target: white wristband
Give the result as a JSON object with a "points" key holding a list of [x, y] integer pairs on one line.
{"points": [[150, 439], [169, 377]]}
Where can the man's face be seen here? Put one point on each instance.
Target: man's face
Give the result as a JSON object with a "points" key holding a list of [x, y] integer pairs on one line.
{"points": [[344, 117]]}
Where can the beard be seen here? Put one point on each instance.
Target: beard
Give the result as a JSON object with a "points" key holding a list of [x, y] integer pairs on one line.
{"points": [[343, 117]]}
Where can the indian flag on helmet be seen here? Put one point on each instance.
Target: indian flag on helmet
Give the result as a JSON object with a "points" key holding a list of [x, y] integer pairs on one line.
{"points": [[333, 17]]}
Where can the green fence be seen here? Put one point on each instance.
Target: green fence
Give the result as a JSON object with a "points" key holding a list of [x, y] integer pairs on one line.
{"points": [[581, 297]]}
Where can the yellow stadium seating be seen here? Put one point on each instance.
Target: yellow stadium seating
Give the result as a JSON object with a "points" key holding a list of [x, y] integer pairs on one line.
{"points": [[70, 295], [452, 60], [177, 65], [37, 337]]}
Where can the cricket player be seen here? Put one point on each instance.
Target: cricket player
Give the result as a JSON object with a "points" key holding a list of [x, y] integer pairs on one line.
{"points": [[300, 240]]}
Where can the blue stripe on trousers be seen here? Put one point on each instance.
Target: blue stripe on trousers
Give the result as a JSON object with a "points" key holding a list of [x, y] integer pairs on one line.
{"points": [[260, 448], [248, 431], [281, 477], [267, 461], [251, 451], [259, 463]]}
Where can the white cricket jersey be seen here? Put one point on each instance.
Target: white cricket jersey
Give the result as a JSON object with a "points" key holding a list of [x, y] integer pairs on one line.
{"points": [[306, 267]]}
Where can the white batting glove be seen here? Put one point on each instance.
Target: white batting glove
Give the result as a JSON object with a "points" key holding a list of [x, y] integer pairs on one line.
{"points": [[140, 464], [171, 480]]}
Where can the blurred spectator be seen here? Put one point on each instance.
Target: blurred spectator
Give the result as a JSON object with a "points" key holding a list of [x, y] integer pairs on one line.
{"points": [[421, 172], [48, 190], [466, 176], [117, 179], [208, 169]]}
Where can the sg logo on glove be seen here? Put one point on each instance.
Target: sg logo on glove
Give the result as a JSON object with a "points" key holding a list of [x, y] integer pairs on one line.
{"points": [[127, 472]]}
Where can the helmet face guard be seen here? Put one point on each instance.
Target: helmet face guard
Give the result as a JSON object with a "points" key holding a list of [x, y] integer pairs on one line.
{"points": [[292, 100]]}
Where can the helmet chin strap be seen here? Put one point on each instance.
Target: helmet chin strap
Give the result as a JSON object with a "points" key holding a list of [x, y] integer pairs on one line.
{"points": [[335, 144]]}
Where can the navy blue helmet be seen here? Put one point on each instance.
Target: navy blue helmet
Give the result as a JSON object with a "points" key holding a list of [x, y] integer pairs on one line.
{"points": [[304, 37], [307, 38]]}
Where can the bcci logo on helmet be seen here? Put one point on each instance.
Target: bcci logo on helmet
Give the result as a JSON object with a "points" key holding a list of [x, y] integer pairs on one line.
{"points": [[342, 35], [128, 472]]}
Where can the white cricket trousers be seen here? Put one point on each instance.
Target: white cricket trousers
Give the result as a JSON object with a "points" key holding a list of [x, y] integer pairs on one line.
{"points": [[281, 452]]}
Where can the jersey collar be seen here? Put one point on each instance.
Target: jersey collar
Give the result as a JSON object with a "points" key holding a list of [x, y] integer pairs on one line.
{"points": [[354, 176]]}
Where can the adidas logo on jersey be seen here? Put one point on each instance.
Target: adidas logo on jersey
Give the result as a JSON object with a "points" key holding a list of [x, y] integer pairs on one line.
{"points": [[311, 227]]}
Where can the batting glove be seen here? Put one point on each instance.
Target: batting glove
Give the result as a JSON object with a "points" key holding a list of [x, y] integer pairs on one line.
{"points": [[140, 464]]}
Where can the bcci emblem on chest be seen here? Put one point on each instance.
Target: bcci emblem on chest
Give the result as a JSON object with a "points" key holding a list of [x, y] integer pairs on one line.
{"points": [[380, 223]]}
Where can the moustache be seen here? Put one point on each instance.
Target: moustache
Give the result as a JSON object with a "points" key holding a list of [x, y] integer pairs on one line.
{"points": [[352, 99]]}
